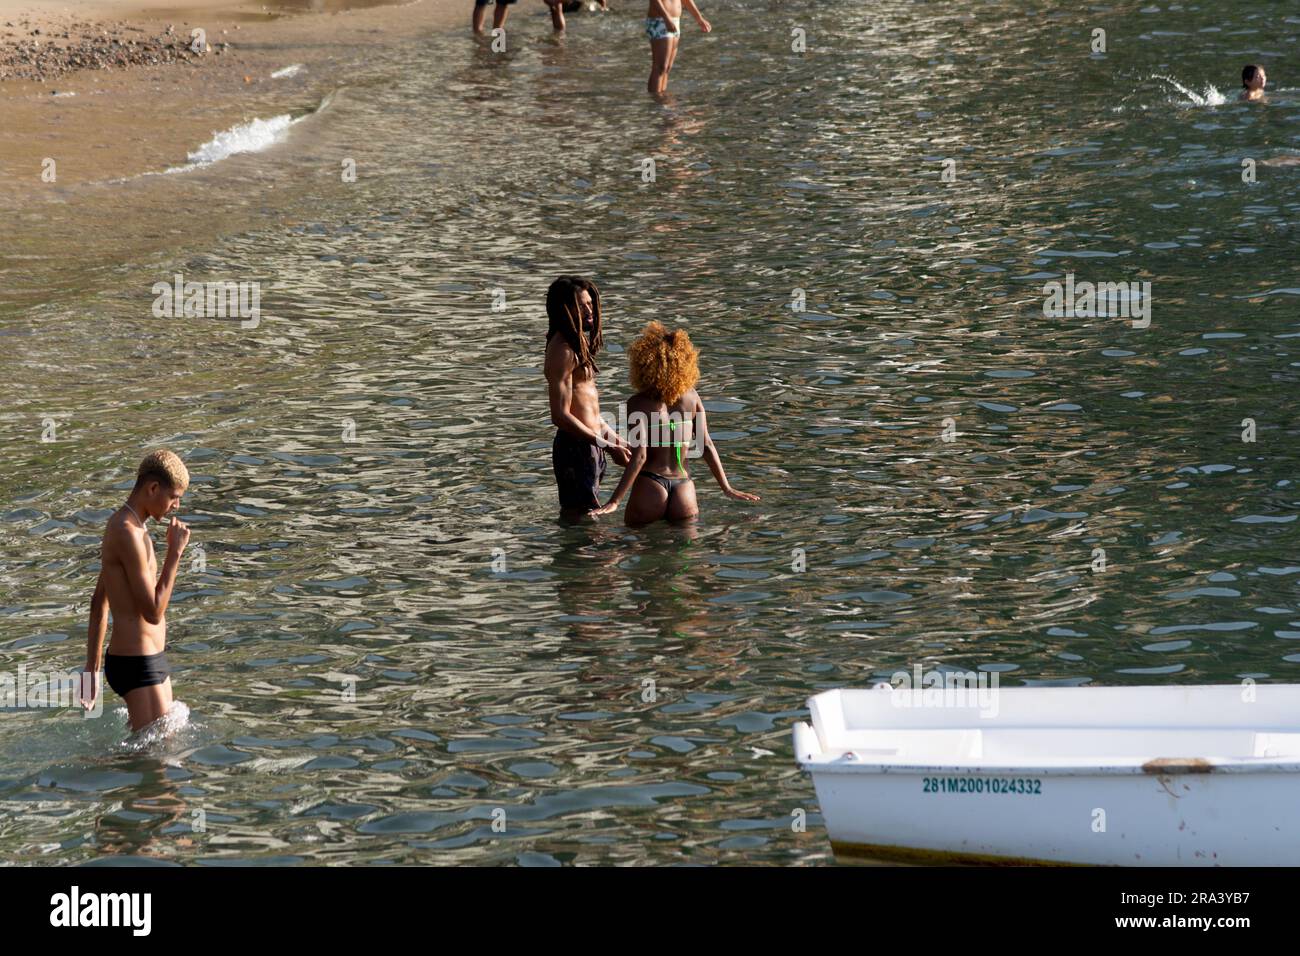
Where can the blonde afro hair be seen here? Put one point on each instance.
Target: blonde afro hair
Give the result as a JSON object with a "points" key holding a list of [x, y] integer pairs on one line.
{"points": [[166, 467], [663, 364]]}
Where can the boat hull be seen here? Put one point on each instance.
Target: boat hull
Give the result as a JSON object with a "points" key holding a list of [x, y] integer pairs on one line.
{"points": [[1194, 775], [1147, 820]]}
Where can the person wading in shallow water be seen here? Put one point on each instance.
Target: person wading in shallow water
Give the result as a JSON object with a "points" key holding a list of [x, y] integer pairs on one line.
{"points": [[498, 15], [665, 418], [129, 586], [573, 337], [560, 7]]}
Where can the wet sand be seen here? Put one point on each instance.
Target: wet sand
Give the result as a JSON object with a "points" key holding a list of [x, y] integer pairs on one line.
{"points": [[108, 89]]}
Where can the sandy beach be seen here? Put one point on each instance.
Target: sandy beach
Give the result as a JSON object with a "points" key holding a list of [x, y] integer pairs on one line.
{"points": [[43, 40], [100, 85]]}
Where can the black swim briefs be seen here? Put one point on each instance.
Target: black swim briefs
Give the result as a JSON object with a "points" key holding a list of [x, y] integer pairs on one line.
{"points": [[579, 467], [127, 672]]}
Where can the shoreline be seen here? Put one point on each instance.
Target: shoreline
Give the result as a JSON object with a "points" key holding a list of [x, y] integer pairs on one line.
{"points": [[42, 41], [116, 95], [74, 151]]}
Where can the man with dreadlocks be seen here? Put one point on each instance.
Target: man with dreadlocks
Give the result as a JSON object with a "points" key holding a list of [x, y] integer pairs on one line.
{"points": [[573, 337]]}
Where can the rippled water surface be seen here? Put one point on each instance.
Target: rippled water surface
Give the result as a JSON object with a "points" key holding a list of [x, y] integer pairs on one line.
{"points": [[626, 695]]}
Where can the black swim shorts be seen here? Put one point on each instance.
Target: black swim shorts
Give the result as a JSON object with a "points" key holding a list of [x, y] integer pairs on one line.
{"points": [[127, 672], [484, 3], [579, 467]]}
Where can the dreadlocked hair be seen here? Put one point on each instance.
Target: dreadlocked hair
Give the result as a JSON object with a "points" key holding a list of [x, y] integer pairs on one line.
{"points": [[564, 317]]}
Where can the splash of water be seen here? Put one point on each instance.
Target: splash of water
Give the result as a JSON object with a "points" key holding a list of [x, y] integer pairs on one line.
{"points": [[164, 728], [1209, 96]]}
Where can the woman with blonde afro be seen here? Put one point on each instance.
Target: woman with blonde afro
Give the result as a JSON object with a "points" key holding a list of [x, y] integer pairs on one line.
{"points": [[666, 426]]}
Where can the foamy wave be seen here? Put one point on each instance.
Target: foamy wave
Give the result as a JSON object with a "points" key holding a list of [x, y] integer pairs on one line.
{"points": [[251, 137], [288, 71]]}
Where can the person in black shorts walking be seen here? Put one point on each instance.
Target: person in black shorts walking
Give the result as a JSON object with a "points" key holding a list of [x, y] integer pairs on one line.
{"points": [[498, 16]]}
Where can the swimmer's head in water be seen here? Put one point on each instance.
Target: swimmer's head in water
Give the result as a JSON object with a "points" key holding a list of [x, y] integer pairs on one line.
{"points": [[573, 310], [663, 364], [1253, 77], [161, 479]]}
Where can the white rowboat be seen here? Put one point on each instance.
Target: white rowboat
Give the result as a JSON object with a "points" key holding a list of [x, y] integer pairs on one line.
{"points": [[1139, 776]]}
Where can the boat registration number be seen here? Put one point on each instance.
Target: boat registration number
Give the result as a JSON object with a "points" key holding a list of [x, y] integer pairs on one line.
{"points": [[1026, 785]]}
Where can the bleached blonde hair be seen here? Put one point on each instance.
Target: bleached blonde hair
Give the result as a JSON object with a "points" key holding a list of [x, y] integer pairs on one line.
{"points": [[164, 466]]}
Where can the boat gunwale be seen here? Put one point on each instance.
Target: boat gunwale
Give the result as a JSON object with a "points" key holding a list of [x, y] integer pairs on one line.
{"points": [[1136, 767], [827, 756]]}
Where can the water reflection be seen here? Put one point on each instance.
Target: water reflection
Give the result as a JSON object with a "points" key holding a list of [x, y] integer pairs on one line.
{"points": [[362, 456]]}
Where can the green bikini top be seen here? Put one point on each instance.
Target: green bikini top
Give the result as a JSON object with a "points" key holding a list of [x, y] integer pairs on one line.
{"points": [[677, 446]]}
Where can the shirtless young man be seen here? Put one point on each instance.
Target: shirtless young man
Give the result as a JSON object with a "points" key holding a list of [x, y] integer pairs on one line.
{"points": [[128, 581], [573, 338]]}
